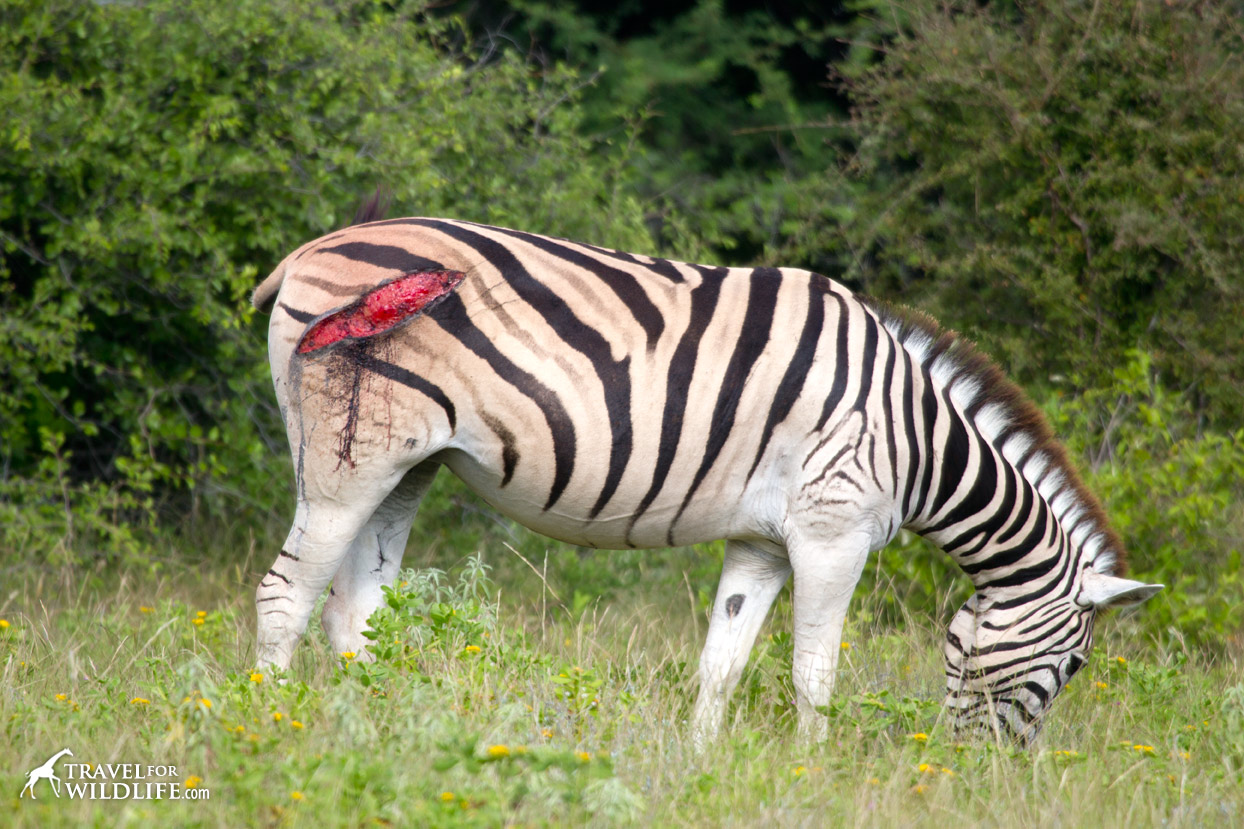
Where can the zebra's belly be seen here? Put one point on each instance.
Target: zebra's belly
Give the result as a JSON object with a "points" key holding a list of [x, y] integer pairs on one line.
{"points": [[715, 513]]}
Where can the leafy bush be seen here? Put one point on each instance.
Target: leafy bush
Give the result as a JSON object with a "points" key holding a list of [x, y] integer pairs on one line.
{"points": [[1062, 180], [1172, 491], [157, 159]]}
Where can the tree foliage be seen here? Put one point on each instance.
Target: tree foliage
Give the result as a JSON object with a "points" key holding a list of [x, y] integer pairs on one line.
{"points": [[1063, 180]]}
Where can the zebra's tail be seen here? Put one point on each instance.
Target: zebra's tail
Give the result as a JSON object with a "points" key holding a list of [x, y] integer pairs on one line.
{"points": [[265, 295], [372, 209]]}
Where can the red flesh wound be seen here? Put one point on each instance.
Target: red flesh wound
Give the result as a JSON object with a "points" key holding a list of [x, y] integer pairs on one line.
{"points": [[381, 309]]}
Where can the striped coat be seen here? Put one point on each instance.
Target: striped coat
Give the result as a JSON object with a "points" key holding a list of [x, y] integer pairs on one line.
{"points": [[615, 400]]}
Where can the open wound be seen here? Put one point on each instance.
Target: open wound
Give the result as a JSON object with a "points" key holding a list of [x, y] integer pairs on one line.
{"points": [[380, 309]]}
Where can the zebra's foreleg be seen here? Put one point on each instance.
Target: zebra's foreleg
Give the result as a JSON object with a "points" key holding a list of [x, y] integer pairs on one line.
{"points": [[322, 534], [825, 578], [750, 580], [374, 560]]}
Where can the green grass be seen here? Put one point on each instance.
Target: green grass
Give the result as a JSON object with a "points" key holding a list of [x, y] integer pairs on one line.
{"points": [[484, 710]]}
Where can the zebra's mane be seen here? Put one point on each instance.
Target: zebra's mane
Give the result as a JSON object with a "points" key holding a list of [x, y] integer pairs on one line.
{"points": [[996, 405]]}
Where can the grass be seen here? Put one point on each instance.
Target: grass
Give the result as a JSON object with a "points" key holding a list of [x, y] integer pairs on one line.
{"points": [[484, 709]]}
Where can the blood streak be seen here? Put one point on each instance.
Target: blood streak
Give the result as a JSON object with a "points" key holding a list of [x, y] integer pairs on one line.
{"points": [[380, 309]]}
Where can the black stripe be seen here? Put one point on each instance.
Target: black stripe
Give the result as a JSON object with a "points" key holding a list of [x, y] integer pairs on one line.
{"points": [[664, 267], [614, 375], [451, 316], [299, 316], [279, 576], [390, 257], [791, 387], [990, 527], [411, 380], [1027, 575], [867, 359], [1016, 554], [842, 369], [623, 284], [954, 458], [887, 408], [678, 382], [327, 286], [509, 450], [984, 485], [754, 336], [929, 410], [909, 431], [1021, 515]]}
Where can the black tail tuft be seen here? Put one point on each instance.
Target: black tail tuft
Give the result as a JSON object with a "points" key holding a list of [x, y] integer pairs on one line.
{"points": [[375, 208]]}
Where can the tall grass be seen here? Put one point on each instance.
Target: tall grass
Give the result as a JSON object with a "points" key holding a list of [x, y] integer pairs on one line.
{"points": [[501, 704]]}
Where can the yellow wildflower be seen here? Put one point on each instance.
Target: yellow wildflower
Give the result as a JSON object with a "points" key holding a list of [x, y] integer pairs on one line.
{"points": [[924, 768], [1186, 755], [62, 697], [921, 789], [447, 797], [874, 781], [1103, 686], [145, 609], [295, 724], [256, 677], [499, 751], [1143, 749], [4, 624], [546, 733], [471, 649], [846, 646], [140, 701], [348, 655], [206, 703], [202, 614], [948, 772], [277, 716], [583, 756], [920, 738], [295, 795], [198, 621], [799, 770], [1120, 660], [192, 781]]}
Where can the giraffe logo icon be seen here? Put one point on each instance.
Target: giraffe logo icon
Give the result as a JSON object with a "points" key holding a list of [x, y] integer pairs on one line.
{"points": [[46, 771]]}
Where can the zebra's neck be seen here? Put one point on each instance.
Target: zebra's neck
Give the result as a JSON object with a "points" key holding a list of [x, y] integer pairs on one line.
{"points": [[996, 492]]}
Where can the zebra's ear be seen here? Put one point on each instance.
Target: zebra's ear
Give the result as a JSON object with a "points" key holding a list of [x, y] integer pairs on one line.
{"points": [[1104, 592]]}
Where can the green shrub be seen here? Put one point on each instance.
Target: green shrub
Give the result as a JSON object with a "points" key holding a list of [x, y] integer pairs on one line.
{"points": [[158, 159]]}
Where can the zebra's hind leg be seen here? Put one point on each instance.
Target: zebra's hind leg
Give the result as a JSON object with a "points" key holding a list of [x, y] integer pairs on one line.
{"points": [[750, 580], [325, 527], [373, 561], [825, 577]]}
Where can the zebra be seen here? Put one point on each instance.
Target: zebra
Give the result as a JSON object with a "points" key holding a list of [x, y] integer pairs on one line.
{"points": [[615, 400]]}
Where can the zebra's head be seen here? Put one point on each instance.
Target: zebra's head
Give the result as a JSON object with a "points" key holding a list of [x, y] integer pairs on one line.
{"points": [[1007, 660]]}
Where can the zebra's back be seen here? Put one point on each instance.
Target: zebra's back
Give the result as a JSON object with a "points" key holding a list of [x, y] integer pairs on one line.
{"points": [[601, 398]]}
